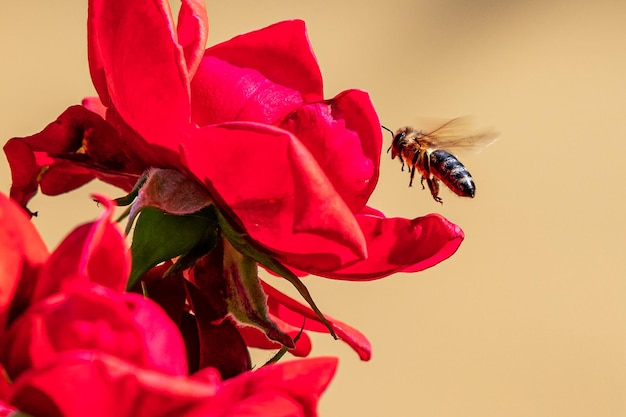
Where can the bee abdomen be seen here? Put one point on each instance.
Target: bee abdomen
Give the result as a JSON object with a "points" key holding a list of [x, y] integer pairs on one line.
{"points": [[453, 173]]}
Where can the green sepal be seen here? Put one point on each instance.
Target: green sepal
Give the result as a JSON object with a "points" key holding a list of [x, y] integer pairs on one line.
{"points": [[124, 214], [18, 413], [130, 197], [281, 352], [188, 260], [246, 299], [246, 246], [159, 237]]}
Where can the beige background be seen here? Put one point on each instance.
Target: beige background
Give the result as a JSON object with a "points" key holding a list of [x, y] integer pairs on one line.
{"points": [[529, 317]]}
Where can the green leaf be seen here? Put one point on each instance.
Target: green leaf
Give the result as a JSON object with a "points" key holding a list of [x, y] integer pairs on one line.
{"points": [[159, 237], [246, 246]]}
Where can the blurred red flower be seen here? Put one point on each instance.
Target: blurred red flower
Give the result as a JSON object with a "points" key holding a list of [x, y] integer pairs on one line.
{"points": [[79, 382], [72, 341], [74, 299]]}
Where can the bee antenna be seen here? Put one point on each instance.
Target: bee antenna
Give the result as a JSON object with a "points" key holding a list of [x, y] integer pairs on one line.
{"points": [[390, 131]]}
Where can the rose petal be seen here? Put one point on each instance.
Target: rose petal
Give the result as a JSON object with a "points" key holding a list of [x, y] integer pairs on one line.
{"points": [[223, 92], [276, 189], [344, 136], [96, 66], [146, 154], [297, 314], [22, 252], [6, 410], [168, 292], [281, 52], [68, 153], [401, 245], [193, 30], [279, 386], [145, 68], [95, 105], [281, 406], [221, 345], [90, 316], [5, 391], [79, 381], [106, 386], [24, 171], [62, 176], [165, 349], [95, 252]]}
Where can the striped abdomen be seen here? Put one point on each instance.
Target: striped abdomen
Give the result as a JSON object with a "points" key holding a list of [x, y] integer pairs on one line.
{"points": [[445, 166]]}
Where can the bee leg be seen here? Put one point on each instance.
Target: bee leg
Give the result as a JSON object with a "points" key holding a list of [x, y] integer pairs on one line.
{"points": [[412, 171], [423, 163], [433, 185], [412, 167]]}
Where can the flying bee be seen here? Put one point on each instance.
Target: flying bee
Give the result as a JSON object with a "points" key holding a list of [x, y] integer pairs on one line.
{"points": [[426, 152]]}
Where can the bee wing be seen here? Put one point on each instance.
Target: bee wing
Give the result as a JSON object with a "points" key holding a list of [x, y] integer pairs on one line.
{"points": [[455, 134]]}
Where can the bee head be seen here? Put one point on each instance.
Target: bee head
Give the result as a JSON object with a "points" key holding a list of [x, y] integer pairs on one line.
{"points": [[398, 142]]}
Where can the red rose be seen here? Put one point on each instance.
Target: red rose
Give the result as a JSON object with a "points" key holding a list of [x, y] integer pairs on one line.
{"points": [[247, 118], [73, 299], [128, 326]]}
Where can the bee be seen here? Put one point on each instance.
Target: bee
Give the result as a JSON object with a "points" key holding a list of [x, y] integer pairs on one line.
{"points": [[426, 152]]}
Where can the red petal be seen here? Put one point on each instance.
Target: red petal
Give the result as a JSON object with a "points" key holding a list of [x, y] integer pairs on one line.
{"points": [[193, 30], [96, 66], [144, 66], [279, 387], [68, 153], [95, 252], [5, 390], [22, 252], [128, 326], [165, 349], [6, 410], [278, 191], [223, 92], [280, 406], [254, 337], [106, 386], [62, 176], [95, 105], [168, 292], [25, 171], [221, 345], [401, 245], [145, 154], [102, 385], [281, 52], [344, 136], [295, 313]]}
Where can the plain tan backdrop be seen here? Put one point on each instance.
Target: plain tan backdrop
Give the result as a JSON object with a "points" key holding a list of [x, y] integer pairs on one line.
{"points": [[529, 317]]}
